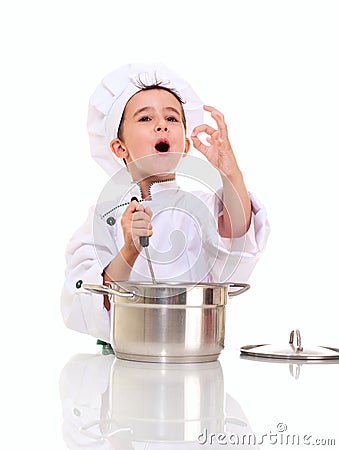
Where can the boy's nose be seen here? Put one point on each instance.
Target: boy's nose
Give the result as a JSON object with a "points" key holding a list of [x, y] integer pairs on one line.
{"points": [[161, 125]]}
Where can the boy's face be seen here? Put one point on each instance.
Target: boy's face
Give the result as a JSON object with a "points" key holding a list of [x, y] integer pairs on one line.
{"points": [[153, 137]]}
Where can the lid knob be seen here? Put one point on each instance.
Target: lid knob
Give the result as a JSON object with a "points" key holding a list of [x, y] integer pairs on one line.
{"points": [[291, 341]]}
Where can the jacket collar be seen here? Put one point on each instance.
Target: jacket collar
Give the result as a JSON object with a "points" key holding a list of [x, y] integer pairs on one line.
{"points": [[158, 186]]}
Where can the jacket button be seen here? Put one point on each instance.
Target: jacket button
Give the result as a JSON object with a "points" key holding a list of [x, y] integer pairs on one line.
{"points": [[111, 221]]}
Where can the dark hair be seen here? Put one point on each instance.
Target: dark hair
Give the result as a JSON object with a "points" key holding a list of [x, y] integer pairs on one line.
{"points": [[148, 87]]}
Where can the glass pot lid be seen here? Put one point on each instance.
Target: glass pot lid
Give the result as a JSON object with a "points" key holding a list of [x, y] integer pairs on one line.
{"points": [[291, 351]]}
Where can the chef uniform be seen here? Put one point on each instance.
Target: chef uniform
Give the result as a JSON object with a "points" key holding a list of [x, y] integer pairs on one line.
{"points": [[185, 245]]}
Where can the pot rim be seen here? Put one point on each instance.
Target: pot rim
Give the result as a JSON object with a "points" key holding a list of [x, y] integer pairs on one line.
{"points": [[128, 289], [242, 287]]}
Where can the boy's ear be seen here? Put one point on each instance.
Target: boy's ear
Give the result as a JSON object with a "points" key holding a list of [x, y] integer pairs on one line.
{"points": [[118, 148], [187, 146]]}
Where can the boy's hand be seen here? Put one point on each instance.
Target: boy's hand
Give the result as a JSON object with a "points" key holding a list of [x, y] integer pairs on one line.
{"points": [[136, 222], [236, 217], [219, 151]]}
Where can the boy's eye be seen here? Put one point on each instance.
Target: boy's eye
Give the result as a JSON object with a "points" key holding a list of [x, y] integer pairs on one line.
{"points": [[144, 119], [172, 119]]}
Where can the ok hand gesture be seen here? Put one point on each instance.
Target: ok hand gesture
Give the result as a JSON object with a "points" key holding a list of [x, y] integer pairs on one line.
{"points": [[218, 151]]}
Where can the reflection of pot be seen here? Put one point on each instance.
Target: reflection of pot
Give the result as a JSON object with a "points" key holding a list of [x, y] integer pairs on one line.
{"points": [[167, 402], [168, 322], [115, 404]]}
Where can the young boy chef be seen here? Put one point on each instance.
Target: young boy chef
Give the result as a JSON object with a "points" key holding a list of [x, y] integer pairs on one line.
{"points": [[139, 120]]}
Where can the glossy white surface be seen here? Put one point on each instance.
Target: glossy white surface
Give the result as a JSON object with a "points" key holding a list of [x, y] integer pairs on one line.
{"points": [[112, 404], [50, 393]]}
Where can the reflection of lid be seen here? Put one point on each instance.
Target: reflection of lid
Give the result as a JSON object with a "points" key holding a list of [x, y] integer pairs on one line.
{"points": [[291, 351]]}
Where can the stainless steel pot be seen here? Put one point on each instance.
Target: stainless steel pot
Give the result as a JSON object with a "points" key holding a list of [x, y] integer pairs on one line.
{"points": [[168, 322]]}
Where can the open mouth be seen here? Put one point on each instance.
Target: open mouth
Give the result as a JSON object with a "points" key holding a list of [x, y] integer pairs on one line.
{"points": [[162, 146]]}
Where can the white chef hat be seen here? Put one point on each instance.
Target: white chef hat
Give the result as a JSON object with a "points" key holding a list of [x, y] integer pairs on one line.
{"points": [[107, 104]]}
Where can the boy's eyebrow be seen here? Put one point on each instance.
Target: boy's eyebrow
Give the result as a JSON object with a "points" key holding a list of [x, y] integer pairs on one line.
{"points": [[138, 111], [170, 108], [150, 108]]}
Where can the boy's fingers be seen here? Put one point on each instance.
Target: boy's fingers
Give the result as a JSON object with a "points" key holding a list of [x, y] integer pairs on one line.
{"points": [[137, 206], [141, 215], [142, 232], [148, 211], [204, 128], [141, 224], [131, 207], [215, 113], [134, 207], [219, 118]]}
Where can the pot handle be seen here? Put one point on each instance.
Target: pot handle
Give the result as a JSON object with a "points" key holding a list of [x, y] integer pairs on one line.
{"points": [[243, 287], [106, 290], [85, 430]]}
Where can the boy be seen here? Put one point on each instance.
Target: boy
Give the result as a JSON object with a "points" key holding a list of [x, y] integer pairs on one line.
{"points": [[141, 115]]}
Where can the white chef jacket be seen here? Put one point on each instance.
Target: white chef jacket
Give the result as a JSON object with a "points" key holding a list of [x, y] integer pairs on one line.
{"points": [[185, 246]]}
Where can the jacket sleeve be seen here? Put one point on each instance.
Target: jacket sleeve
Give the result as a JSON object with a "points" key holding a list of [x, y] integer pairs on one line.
{"points": [[237, 257], [85, 260]]}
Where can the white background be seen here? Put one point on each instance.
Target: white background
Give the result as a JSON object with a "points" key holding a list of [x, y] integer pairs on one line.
{"points": [[270, 66]]}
